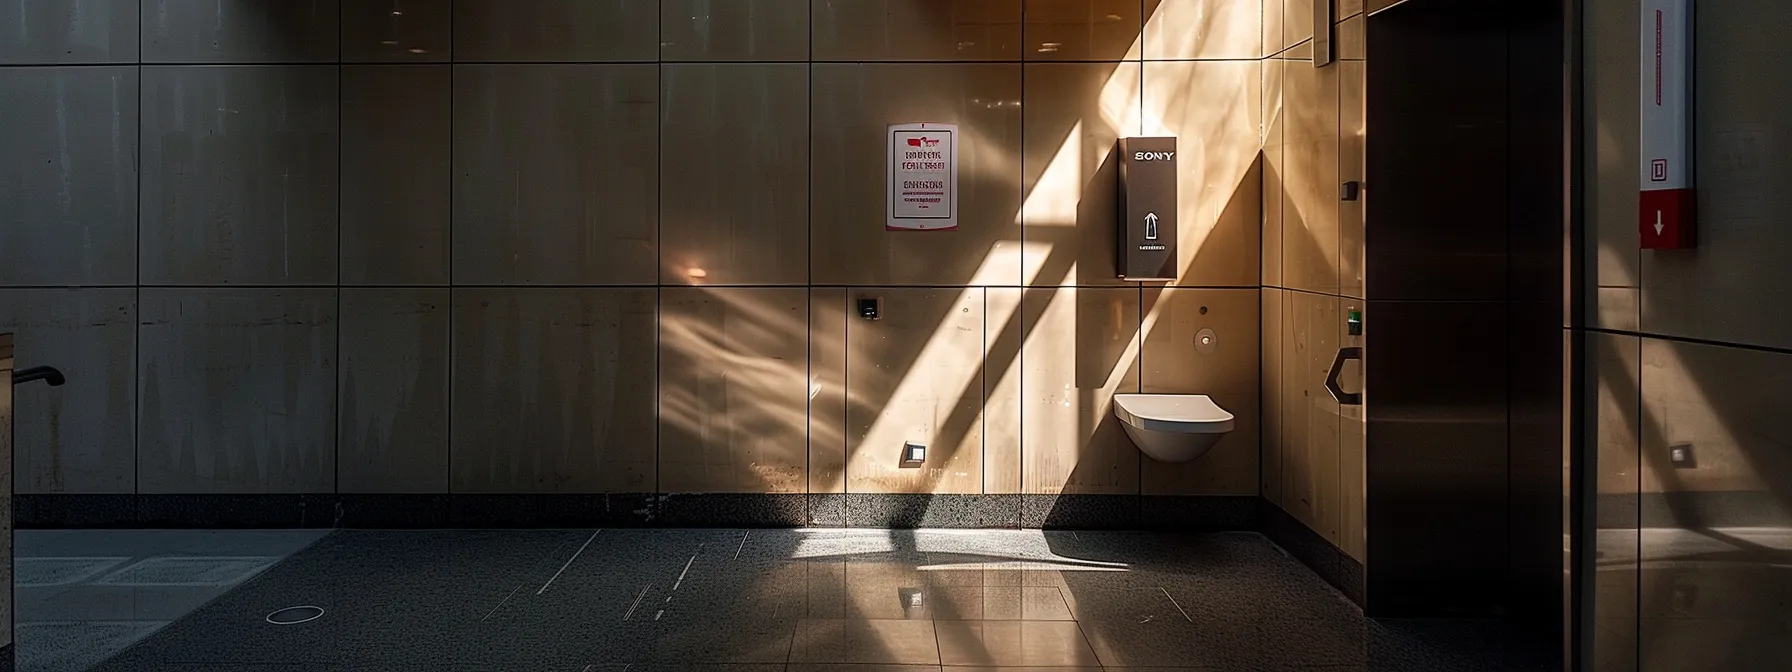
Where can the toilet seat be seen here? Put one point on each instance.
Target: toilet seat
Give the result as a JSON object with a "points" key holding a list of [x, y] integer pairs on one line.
{"points": [[1177, 413]]}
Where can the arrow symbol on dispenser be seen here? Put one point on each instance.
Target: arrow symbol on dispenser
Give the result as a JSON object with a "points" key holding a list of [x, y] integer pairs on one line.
{"points": [[1658, 224], [1151, 226]]}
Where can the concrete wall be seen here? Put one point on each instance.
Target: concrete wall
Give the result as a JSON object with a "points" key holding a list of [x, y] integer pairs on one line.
{"points": [[1313, 456], [1693, 348], [559, 246]]}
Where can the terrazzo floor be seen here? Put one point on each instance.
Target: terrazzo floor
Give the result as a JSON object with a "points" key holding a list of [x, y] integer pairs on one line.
{"points": [[797, 600]]}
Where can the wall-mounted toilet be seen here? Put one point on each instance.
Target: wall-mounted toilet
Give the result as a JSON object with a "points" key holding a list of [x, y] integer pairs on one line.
{"points": [[1172, 427]]}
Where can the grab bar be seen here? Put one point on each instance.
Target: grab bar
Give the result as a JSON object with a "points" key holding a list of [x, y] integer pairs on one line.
{"points": [[1331, 379], [47, 374]]}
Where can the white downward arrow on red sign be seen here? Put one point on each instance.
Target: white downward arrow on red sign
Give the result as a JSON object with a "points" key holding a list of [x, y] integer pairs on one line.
{"points": [[1658, 226]]}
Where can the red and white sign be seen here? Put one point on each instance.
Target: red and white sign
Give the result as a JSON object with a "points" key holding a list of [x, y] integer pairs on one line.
{"points": [[922, 192], [1667, 206]]}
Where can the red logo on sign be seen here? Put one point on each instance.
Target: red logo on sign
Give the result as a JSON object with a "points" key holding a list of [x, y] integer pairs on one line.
{"points": [[923, 141], [1658, 170]]}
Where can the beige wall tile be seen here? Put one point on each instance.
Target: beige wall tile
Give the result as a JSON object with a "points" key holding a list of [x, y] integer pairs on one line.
{"points": [[396, 174], [853, 106], [1617, 372], [1204, 29], [734, 30], [1310, 424], [1352, 125], [77, 438], [1724, 402], [1074, 114], [734, 187], [397, 32], [1618, 308], [556, 174], [1272, 27], [1274, 332], [1348, 8], [733, 389], [1175, 319], [917, 30], [1275, 168], [1613, 139], [393, 391], [1082, 30], [828, 315], [1297, 21], [1214, 109], [1081, 349], [553, 390], [916, 375], [1353, 44], [556, 30], [237, 391], [1003, 333], [1310, 229]]}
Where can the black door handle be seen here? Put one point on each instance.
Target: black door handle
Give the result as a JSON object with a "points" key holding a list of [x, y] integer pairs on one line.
{"points": [[1331, 379], [47, 374]]}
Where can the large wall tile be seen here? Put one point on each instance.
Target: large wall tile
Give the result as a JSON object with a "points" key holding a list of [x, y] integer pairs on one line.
{"points": [[1613, 146], [853, 106], [734, 30], [556, 30], [239, 175], [240, 31], [735, 186], [1618, 374], [1310, 417], [1275, 168], [1203, 29], [1310, 235], [1082, 30], [828, 316], [556, 174], [1074, 114], [395, 174], [916, 375], [733, 390], [60, 31], [396, 31], [1297, 21], [68, 213], [917, 30], [237, 390], [1272, 27], [1274, 333], [1003, 333], [553, 390], [1173, 362], [78, 438], [1214, 110], [1081, 349], [393, 434], [1712, 398], [1352, 127]]}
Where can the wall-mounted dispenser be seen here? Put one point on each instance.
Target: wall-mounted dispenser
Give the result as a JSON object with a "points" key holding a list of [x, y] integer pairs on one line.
{"points": [[1147, 219]]}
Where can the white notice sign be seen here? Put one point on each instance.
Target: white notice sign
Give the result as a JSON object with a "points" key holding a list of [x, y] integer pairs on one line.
{"points": [[923, 177]]}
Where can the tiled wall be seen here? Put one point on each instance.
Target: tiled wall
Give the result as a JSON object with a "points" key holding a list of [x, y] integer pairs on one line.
{"points": [[1313, 458], [1693, 348], [579, 246]]}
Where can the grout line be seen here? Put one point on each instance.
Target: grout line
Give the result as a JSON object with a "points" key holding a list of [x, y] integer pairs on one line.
{"points": [[341, 368], [1177, 604], [495, 609], [575, 556]]}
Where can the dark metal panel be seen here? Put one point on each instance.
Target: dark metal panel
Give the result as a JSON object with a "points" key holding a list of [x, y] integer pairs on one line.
{"points": [[1147, 227], [1436, 178], [1437, 459]]}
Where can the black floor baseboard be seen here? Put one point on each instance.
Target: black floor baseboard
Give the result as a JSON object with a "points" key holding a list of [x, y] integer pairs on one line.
{"points": [[433, 511]]}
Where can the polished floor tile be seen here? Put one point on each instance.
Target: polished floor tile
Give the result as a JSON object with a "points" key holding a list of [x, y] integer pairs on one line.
{"points": [[692, 600]]}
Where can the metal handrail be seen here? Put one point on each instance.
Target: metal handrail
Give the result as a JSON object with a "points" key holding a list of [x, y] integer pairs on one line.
{"points": [[47, 374]]}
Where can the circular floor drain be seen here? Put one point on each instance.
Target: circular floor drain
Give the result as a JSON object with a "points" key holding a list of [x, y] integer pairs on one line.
{"points": [[295, 615]]}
